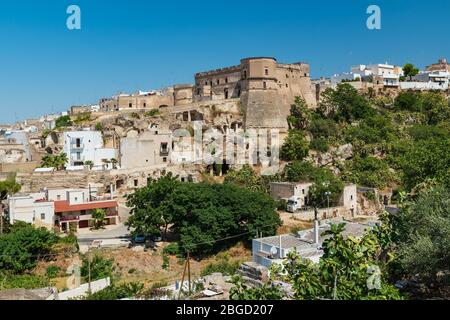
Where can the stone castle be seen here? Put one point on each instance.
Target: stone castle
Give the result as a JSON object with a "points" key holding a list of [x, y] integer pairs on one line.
{"points": [[264, 89]]}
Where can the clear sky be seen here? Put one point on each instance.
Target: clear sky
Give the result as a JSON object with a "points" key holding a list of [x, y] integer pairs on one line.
{"points": [[145, 44]]}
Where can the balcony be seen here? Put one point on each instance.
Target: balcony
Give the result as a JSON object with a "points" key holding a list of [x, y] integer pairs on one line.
{"points": [[77, 146], [69, 218]]}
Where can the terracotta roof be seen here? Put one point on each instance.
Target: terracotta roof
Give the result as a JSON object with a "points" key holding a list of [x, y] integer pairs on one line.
{"points": [[64, 206]]}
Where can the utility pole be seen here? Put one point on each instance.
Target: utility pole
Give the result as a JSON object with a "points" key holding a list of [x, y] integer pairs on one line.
{"points": [[189, 271], [182, 278], [89, 275]]}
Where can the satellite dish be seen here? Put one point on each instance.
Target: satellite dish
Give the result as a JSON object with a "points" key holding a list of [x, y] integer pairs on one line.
{"points": [[273, 251]]}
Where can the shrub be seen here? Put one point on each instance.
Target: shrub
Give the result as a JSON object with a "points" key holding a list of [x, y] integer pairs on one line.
{"points": [[320, 144], [152, 113], [223, 266], [52, 271], [172, 249]]}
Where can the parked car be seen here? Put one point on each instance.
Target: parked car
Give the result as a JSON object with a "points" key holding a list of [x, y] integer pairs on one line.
{"points": [[139, 239], [157, 238]]}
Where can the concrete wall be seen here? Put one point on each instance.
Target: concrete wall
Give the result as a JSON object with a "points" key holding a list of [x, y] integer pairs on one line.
{"points": [[83, 290]]}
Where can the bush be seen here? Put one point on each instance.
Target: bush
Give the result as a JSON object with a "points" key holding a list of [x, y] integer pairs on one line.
{"points": [[295, 146], [320, 144], [20, 249], [99, 126], [135, 115], [52, 272], [100, 267], [223, 265], [25, 281], [63, 121], [152, 113], [323, 128], [172, 249]]}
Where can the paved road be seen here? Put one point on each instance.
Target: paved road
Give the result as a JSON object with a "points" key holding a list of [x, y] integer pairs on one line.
{"points": [[112, 232]]}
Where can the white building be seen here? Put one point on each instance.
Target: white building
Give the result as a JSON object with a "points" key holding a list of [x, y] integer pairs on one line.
{"points": [[428, 80], [306, 243], [63, 209], [82, 146], [389, 74], [31, 208]]}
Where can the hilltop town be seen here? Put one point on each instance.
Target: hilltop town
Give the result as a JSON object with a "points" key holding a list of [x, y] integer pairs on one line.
{"points": [[140, 184]]}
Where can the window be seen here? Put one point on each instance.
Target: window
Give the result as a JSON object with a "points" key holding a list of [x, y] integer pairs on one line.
{"points": [[42, 216], [239, 93], [199, 91], [287, 76], [136, 182], [78, 155], [164, 147], [130, 105], [58, 197], [145, 105], [76, 198], [351, 197], [303, 191], [218, 81], [265, 85], [226, 80], [226, 93], [266, 71], [206, 83], [244, 74], [164, 159], [287, 86]]}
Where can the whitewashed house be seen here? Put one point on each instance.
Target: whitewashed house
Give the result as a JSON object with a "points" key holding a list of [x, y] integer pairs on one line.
{"points": [[83, 146]]}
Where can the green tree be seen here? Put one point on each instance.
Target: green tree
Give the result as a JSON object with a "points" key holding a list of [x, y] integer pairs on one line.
{"points": [[152, 208], [63, 121], [99, 216], [344, 103], [295, 146], [424, 160], [248, 178], [424, 236], [409, 70], [54, 161], [23, 246], [300, 115], [201, 213]]}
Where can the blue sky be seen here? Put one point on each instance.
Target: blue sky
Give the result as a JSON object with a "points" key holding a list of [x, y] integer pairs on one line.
{"points": [[137, 44]]}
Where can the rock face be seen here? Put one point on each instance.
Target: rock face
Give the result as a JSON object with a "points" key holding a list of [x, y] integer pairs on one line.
{"points": [[254, 274]]}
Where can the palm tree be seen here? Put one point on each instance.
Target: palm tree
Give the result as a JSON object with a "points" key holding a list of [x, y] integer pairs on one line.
{"points": [[89, 164], [114, 163], [105, 163], [99, 216]]}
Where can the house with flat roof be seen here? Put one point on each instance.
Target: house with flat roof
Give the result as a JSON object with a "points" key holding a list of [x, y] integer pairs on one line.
{"points": [[62, 209], [307, 243]]}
